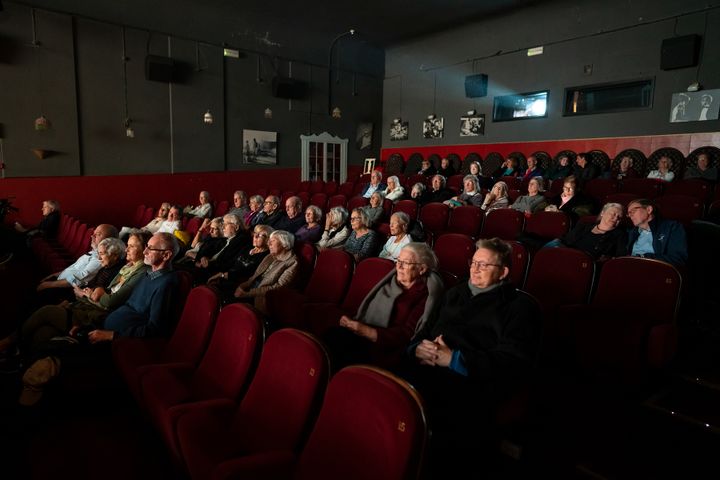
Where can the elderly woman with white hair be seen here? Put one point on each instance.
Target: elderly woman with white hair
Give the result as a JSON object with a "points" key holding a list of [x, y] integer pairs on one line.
{"points": [[471, 194], [388, 317], [394, 190], [496, 198], [601, 239], [203, 210], [336, 231], [534, 200], [399, 237], [278, 269], [375, 209]]}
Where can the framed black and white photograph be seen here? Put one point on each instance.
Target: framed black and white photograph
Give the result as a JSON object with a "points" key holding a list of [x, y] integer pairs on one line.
{"points": [[363, 139], [695, 106], [433, 128], [399, 131], [260, 147], [472, 126]]}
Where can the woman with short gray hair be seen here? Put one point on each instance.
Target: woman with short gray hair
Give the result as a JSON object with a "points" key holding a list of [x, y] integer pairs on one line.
{"points": [[394, 190], [336, 232], [362, 242], [399, 224], [601, 240], [470, 196], [312, 230]]}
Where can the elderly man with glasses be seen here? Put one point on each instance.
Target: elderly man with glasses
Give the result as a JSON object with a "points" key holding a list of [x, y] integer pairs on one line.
{"points": [[271, 213]]}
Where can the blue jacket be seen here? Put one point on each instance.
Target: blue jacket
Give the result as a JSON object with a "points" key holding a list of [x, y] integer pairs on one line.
{"points": [[669, 241], [381, 188]]}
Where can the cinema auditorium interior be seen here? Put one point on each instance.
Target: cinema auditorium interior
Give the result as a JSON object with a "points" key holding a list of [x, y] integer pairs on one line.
{"points": [[359, 240]]}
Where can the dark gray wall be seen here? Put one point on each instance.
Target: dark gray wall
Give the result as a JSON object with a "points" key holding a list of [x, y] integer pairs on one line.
{"points": [[76, 79], [621, 39]]}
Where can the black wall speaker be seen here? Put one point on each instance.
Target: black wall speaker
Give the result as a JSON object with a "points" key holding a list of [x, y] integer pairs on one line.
{"points": [[680, 52], [476, 85], [283, 87], [159, 69]]}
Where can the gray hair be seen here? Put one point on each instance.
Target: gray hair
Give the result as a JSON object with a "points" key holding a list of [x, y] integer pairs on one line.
{"points": [[257, 199], [317, 213], [403, 217], [501, 249], [286, 239], [419, 186], [53, 204], [339, 215], [273, 198], [442, 179], [473, 179], [205, 194], [296, 200], [539, 181], [395, 180], [379, 194], [476, 163], [378, 173], [217, 221], [241, 194], [608, 206], [424, 255], [503, 187], [169, 242], [113, 246], [364, 219], [231, 218]]}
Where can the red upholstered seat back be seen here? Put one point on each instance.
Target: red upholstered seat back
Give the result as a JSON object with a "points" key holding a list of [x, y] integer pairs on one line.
{"points": [[194, 328], [367, 274], [466, 219], [285, 395], [353, 439], [504, 223], [453, 251], [408, 206], [560, 276], [331, 276], [548, 225], [226, 365], [434, 217]]}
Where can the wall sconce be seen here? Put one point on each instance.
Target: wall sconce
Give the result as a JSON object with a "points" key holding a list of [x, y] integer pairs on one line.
{"points": [[694, 87], [42, 123], [397, 120], [268, 113], [129, 132], [208, 118], [336, 112], [431, 116], [472, 112]]}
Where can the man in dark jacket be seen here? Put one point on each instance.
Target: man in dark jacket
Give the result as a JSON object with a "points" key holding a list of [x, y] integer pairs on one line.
{"points": [[655, 237]]}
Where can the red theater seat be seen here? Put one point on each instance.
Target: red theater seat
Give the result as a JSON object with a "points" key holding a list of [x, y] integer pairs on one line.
{"points": [[504, 223], [434, 217], [454, 250]]}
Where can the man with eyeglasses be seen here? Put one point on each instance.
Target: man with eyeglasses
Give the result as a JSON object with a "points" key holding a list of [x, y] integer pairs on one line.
{"points": [[147, 313], [270, 214], [479, 349], [236, 239], [655, 237]]}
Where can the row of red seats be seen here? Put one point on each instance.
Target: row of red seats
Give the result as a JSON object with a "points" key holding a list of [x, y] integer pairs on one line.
{"points": [[223, 413], [72, 240]]}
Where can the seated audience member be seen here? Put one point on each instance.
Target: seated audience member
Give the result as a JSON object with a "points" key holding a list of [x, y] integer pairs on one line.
{"points": [[655, 237], [560, 170], [48, 226], [208, 240], [255, 207], [624, 169], [375, 184], [585, 170], [470, 196], [292, 219], [399, 224], [446, 169], [312, 230], [427, 168], [570, 201], [509, 168], [602, 239], [278, 269], [479, 349], [533, 169], [147, 312], [236, 239], [496, 198], [53, 320], [153, 225], [438, 193], [362, 241], [394, 190], [173, 221], [476, 169], [417, 192], [59, 286], [703, 170], [244, 265], [204, 210], [390, 314], [663, 171], [240, 205], [336, 231], [374, 210], [534, 200], [271, 213]]}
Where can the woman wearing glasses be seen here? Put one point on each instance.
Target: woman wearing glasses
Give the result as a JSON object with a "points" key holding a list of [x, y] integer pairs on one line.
{"points": [[391, 313], [362, 242], [208, 240], [477, 351]]}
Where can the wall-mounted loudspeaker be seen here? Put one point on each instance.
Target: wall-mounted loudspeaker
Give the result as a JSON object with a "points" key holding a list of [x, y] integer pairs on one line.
{"points": [[283, 87], [159, 69], [476, 85], [680, 52]]}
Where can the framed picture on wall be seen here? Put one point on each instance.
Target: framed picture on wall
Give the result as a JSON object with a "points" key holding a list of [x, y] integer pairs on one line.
{"points": [[695, 106], [260, 147], [363, 139], [398, 130], [472, 126], [433, 127]]}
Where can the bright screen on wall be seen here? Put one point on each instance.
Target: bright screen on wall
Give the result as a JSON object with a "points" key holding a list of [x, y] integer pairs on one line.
{"points": [[520, 106]]}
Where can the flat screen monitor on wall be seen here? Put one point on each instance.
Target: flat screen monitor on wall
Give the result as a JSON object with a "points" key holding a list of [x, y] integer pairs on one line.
{"points": [[520, 106]]}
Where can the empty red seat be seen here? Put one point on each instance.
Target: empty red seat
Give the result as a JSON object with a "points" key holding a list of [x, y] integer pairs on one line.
{"points": [[222, 208], [356, 202], [316, 186], [338, 200], [346, 189], [454, 250], [466, 219], [138, 216], [307, 254], [330, 188], [434, 217], [408, 206], [273, 417], [504, 223], [455, 183], [148, 216], [683, 208], [319, 200], [643, 187], [599, 188], [700, 189], [546, 226], [519, 265]]}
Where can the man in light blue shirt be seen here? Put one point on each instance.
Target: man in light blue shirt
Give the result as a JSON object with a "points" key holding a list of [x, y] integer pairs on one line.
{"points": [[654, 236]]}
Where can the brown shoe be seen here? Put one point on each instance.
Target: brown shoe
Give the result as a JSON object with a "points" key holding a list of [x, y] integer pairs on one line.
{"points": [[35, 378]]}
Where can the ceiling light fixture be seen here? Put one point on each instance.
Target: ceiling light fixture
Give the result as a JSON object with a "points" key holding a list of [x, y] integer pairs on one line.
{"points": [[268, 113], [208, 118]]}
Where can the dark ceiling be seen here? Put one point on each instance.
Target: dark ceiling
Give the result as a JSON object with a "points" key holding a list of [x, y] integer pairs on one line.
{"points": [[287, 28]]}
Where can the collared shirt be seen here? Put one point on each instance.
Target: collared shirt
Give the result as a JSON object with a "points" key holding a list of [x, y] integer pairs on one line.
{"points": [[83, 270], [371, 189], [644, 244]]}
